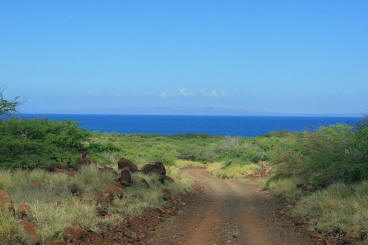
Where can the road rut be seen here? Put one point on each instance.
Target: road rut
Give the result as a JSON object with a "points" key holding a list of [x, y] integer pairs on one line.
{"points": [[228, 212]]}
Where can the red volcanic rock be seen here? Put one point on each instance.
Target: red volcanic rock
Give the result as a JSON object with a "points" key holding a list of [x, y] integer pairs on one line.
{"points": [[114, 190], [127, 165], [30, 233], [157, 168], [124, 178], [73, 233], [6, 204], [82, 161], [23, 211], [104, 198]]}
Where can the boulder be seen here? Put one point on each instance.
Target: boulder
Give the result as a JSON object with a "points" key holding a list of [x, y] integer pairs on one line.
{"points": [[6, 203], [73, 233], [157, 168], [29, 233], [127, 165], [124, 178], [115, 190], [104, 198], [24, 211], [83, 161]]}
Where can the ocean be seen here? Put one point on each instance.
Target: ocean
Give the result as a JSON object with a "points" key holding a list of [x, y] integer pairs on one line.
{"points": [[248, 126]]}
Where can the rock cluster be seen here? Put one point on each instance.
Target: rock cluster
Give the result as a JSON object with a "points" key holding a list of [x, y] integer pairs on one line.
{"points": [[104, 197], [28, 231]]}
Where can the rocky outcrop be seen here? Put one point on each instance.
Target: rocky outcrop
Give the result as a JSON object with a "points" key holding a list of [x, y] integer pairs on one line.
{"points": [[125, 164], [124, 178], [157, 168], [6, 203]]}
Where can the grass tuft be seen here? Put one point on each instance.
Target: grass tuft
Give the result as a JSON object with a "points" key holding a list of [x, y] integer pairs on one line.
{"points": [[341, 208]]}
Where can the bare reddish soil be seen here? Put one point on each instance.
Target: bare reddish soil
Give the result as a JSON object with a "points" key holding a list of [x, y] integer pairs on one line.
{"points": [[229, 212], [218, 212]]}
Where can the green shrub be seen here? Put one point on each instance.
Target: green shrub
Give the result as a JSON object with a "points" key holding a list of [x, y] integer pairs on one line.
{"points": [[39, 142]]}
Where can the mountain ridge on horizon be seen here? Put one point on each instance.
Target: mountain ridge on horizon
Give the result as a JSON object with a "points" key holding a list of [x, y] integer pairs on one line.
{"points": [[185, 111]]}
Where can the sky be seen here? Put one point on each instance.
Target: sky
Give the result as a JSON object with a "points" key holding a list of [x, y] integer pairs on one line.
{"points": [[186, 57]]}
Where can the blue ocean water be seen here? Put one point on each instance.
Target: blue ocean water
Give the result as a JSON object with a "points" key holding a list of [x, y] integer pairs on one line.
{"points": [[248, 126]]}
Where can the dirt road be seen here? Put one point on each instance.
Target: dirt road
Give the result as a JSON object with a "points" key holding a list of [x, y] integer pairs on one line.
{"points": [[228, 212]]}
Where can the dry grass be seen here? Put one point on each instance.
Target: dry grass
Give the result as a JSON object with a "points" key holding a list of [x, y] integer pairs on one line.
{"points": [[54, 208], [8, 228], [186, 163], [219, 169], [340, 208], [233, 171], [286, 188]]}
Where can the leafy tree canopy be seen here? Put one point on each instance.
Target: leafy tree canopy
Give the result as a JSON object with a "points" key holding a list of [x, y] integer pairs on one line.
{"points": [[7, 106]]}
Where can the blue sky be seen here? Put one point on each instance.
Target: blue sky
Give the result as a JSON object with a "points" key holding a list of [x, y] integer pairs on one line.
{"points": [[227, 57]]}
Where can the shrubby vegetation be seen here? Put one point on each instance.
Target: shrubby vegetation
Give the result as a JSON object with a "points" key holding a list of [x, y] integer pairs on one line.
{"points": [[324, 173], [7, 106], [34, 143]]}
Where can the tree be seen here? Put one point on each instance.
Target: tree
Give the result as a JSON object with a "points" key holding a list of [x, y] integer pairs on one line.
{"points": [[7, 106]]}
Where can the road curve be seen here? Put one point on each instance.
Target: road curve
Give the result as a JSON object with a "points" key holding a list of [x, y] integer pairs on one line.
{"points": [[228, 212]]}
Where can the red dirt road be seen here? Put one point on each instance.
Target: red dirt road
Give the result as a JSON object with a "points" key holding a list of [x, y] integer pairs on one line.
{"points": [[228, 212]]}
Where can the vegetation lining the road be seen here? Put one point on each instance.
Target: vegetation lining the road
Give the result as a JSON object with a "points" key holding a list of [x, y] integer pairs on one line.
{"points": [[323, 172], [53, 207]]}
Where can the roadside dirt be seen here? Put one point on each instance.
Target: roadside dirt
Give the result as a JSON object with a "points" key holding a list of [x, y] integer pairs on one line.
{"points": [[229, 212]]}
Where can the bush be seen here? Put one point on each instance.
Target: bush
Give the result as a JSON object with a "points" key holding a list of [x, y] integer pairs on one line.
{"points": [[39, 142]]}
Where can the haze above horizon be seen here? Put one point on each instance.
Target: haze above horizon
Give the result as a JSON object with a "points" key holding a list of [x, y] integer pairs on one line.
{"points": [[187, 57]]}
